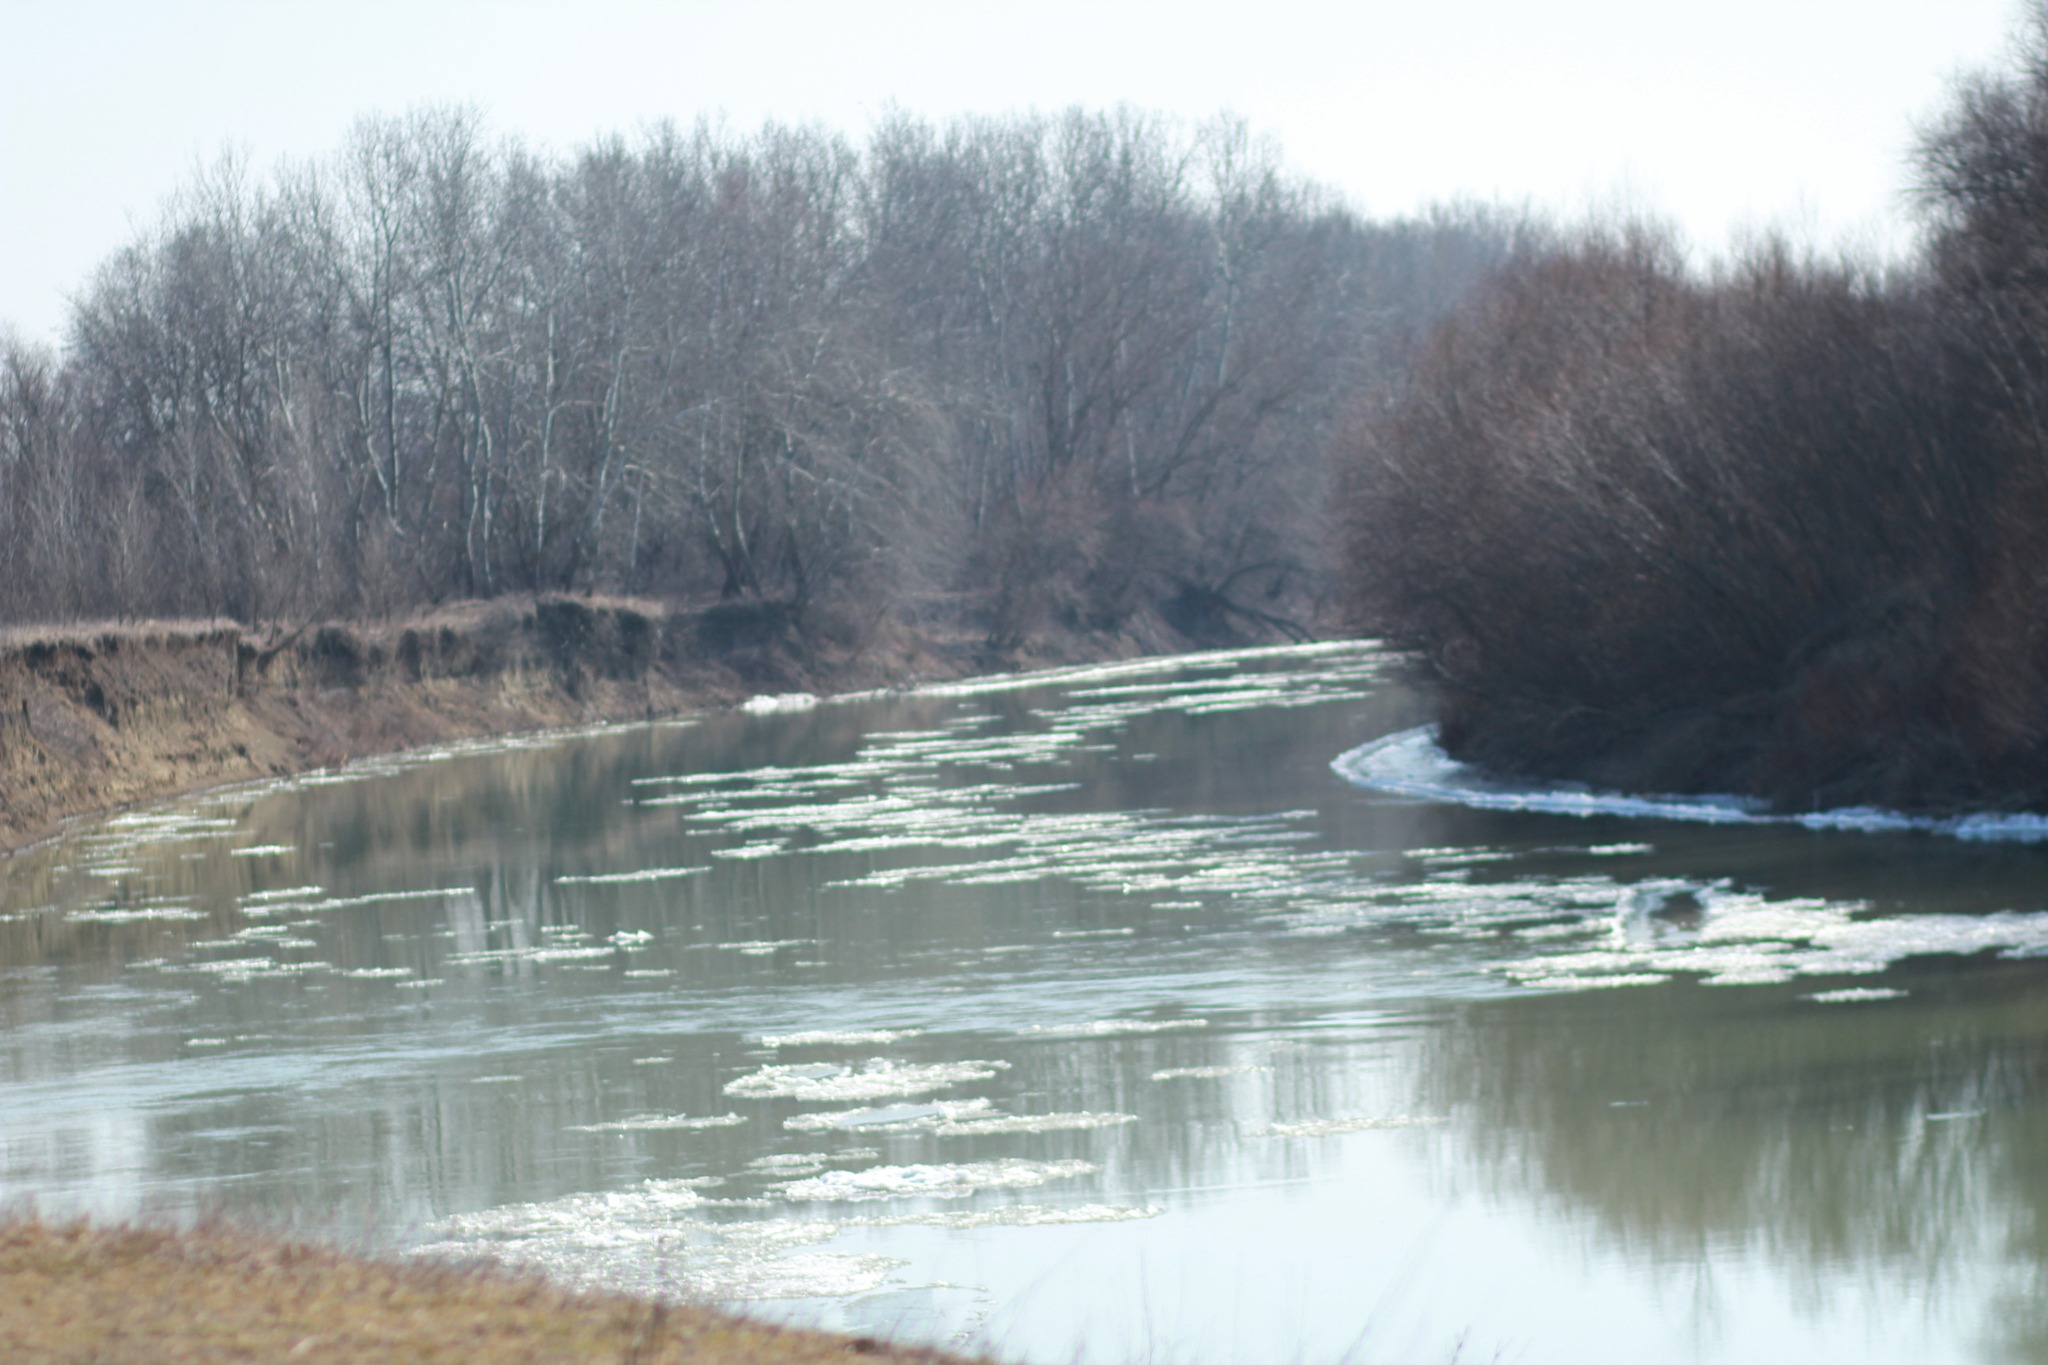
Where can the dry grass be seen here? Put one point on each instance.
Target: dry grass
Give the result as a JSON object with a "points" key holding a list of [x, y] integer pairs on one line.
{"points": [[99, 633], [75, 1293]]}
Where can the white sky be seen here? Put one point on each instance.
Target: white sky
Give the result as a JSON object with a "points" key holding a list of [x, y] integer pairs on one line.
{"points": [[1725, 115]]}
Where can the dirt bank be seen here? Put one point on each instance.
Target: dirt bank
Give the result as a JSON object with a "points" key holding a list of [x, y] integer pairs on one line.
{"points": [[101, 716], [115, 1296]]}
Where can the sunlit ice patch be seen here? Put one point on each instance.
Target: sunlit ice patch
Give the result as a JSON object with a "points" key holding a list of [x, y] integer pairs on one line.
{"points": [[1412, 763], [879, 1079], [1014, 1216], [652, 1239], [906, 1117], [838, 1038], [1085, 674], [956, 1181], [1744, 938]]}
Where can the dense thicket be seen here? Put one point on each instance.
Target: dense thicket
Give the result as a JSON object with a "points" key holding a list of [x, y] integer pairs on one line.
{"points": [[1781, 531], [1066, 370]]}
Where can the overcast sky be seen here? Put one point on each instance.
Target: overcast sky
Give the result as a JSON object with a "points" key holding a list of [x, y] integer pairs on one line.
{"points": [[1723, 116]]}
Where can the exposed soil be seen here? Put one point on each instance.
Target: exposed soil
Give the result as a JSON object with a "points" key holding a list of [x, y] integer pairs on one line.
{"points": [[93, 717]]}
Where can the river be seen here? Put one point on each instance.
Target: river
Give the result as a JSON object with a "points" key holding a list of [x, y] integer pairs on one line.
{"points": [[1084, 1015]]}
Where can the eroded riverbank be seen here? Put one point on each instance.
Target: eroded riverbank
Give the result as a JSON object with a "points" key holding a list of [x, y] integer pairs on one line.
{"points": [[100, 716]]}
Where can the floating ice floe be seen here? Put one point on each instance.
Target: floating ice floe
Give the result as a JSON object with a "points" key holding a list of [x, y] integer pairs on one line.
{"points": [[879, 1079], [1205, 1073], [766, 704], [786, 1163], [831, 1037], [111, 914], [649, 1239], [284, 893], [1747, 939], [924, 1117], [1111, 1028], [541, 952], [951, 1118], [1412, 763], [645, 874], [432, 893], [1312, 1128], [1014, 1216], [1134, 668], [762, 947], [747, 852], [958, 1181], [1031, 1123], [654, 1123], [249, 968]]}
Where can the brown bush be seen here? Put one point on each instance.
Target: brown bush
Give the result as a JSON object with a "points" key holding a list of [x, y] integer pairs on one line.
{"points": [[1783, 531], [1655, 532]]}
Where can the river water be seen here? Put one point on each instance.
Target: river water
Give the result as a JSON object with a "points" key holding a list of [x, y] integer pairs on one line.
{"points": [[1087, 1015]]}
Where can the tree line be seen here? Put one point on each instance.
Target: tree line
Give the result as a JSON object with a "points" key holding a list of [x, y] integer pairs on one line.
{"points": [[1778, 528], [1034, 372]]}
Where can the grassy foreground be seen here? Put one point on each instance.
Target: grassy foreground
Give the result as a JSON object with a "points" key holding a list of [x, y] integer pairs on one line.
{"points": [[109, 1296]]}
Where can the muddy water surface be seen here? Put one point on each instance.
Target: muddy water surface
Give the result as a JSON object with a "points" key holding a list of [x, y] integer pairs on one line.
{"points": [[1084, 1015]]}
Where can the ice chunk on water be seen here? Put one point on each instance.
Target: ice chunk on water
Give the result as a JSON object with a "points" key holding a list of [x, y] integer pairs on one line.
{"points": [[1015, 1216], [1205, 1073], [1338, 1127], [934, 1182], [878, 1079], [905, 1117], [763, 947], [1743, 939], [766, 704], [132, 915], [1031, 1123], [647, 1123], [647, 1239], [645, 874], [880, 1037], [1411, 763], [1110, 1028]]}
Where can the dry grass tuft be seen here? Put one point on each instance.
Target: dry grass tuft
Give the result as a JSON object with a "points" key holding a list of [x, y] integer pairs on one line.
{"points": [[77, 1293]]}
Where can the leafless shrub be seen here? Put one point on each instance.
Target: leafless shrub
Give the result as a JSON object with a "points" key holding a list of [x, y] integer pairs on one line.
{"points": [[1780, 530]]}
